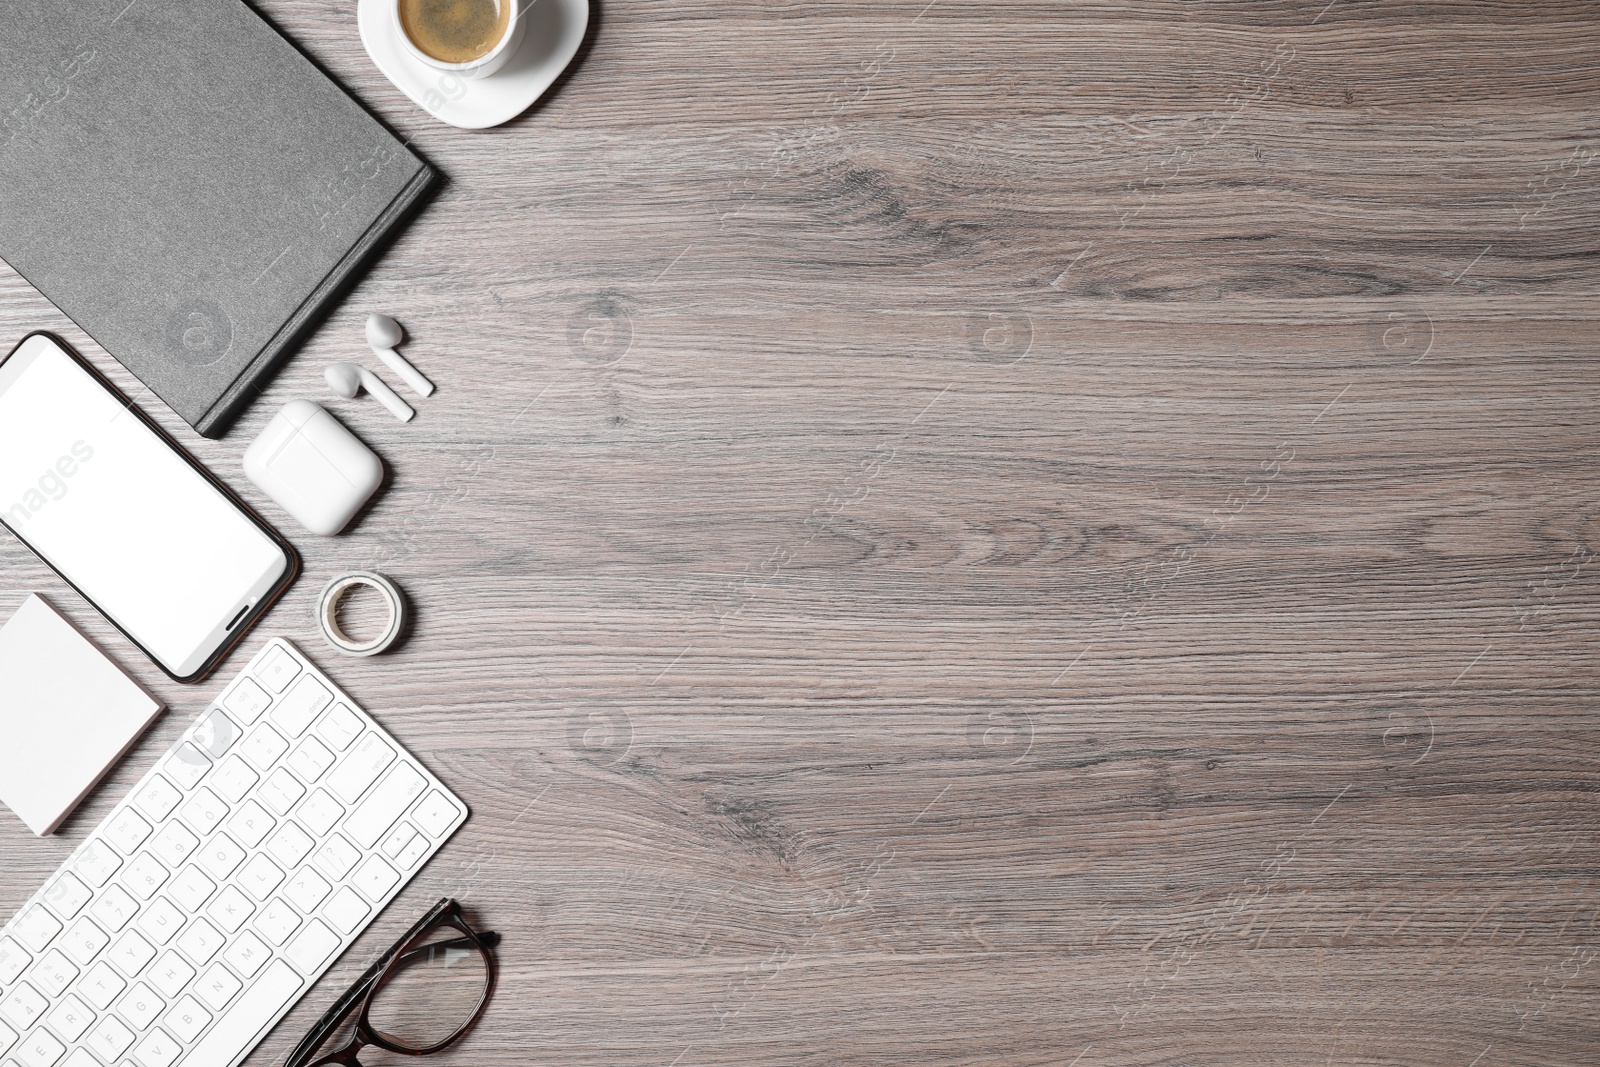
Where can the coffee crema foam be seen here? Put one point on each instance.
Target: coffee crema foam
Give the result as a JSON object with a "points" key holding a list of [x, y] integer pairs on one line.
{"points": [[455, 31]]}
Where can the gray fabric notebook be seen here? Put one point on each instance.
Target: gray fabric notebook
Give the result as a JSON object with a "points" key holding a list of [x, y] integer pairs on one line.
{"points": [[187, 187]]}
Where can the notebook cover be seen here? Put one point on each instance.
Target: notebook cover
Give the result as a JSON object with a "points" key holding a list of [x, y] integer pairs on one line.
{"points": [[187, 187], [67, 716]]}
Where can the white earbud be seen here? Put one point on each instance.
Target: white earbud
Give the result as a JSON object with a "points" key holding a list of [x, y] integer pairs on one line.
{"points": [[383, 334], [348, 379]]}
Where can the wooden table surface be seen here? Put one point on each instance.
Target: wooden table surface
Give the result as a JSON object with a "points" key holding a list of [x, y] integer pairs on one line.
{"points": [[976, 533]]}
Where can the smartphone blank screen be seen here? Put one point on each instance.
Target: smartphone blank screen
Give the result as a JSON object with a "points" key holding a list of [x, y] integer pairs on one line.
{"points": [[120, 514]]}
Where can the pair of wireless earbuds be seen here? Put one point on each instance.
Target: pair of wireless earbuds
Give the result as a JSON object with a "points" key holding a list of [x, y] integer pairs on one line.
{"points": [[348, 379]]}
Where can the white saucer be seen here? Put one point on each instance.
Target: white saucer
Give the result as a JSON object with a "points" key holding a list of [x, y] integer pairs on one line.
{"points": [[555, 30]]}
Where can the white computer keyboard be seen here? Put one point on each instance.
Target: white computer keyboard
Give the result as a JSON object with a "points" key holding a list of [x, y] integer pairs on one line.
{"points": [[224, 884]]}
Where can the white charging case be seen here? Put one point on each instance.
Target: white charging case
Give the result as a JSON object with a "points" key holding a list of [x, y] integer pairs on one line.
{"points": [[313, 467]]}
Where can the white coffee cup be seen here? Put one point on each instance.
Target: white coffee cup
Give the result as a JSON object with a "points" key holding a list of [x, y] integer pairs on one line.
{"points": [[485, 64]]}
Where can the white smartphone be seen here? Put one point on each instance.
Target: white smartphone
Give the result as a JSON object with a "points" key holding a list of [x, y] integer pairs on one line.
{"points": [[141, 530]]}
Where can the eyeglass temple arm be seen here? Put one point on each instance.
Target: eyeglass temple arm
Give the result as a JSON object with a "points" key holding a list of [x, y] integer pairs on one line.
{"points": [[487, 940]]}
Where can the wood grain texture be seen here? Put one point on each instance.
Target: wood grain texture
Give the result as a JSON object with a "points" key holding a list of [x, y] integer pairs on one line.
{"points": [[989, 533]]}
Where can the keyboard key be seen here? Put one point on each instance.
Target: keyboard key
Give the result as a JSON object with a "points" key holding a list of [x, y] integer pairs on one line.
{"points": [[290, 845], [79, 1057], [247, 954], [277, 670], [127, 831], [13, 958], [70, 1018], [320, 812], [139, 1006], [8, 1037], [170, 974], [39, 1049], [102, 985], [233, 779], [311, 948], [201, 941], [203, 811], [301, 706], [263, 747], [173, 844], [435, 814], [230, 909], [413, 853], [214, 733], [361, 768], [157, 1049], [114, 908], [23, 1006], [217, 986], [66, 895], [161, 922], [156, 798], [335, 857], [220, 856], [397, 840], [131, 953], [277, 921], [186, 1019], [246, 701], [340, 727], [346, 911], [110, 1039], [306, 889], [95, 863], [260, 876], [374, 878], [36, 928], [83, 941], [386, 803], [191, 888], [281, 791], [52, 974], [251, 823], [186, 766], [310, 759], [144, 876], [239, 1027]]}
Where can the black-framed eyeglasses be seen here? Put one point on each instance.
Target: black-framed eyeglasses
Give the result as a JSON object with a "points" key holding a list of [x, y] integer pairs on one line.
{"points": [[421, 996]]}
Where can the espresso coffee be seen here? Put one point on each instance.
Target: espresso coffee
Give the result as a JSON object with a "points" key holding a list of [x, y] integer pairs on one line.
{"points": [[455, 31]]}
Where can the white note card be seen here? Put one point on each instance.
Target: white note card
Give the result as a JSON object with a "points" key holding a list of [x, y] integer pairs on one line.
{"points": [[67, 714]]}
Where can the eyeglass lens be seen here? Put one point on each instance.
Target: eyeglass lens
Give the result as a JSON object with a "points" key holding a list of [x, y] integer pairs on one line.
{"points": [[431, 993]]}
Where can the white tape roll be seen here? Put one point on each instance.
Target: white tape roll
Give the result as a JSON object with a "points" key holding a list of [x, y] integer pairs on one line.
{"points": [[328, 613]]}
